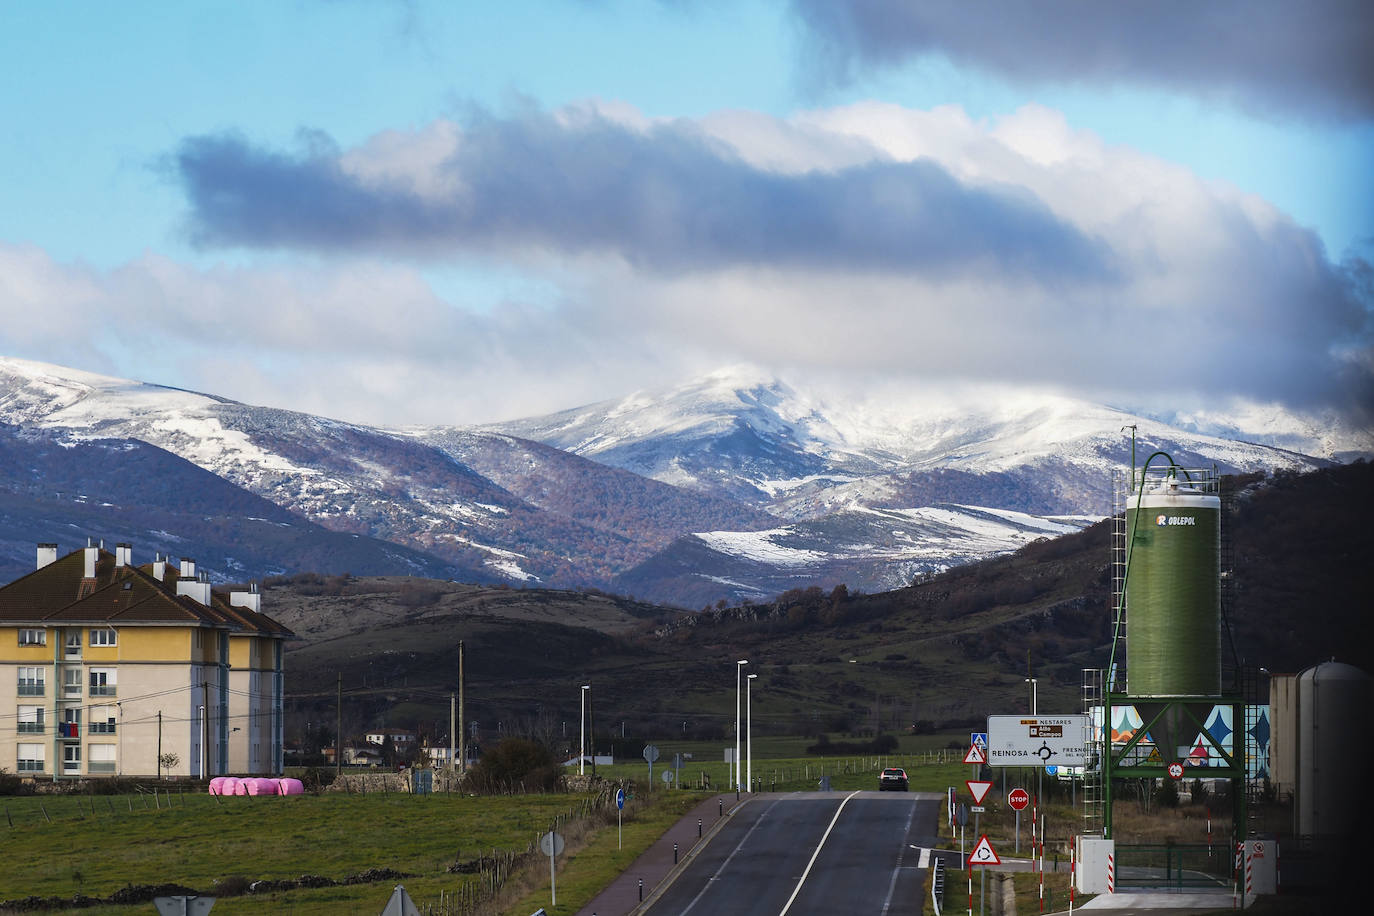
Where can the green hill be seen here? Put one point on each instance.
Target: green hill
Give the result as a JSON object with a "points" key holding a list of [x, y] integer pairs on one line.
{"points": [[941, 653]]}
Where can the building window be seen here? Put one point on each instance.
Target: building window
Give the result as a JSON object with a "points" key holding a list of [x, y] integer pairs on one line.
{"points": [[101, 758], [103, 720], [104, 637], [71, 758], [71, 682], [31, 720], [70, 726], [73, 644], [31, 681], [31, 637], [103, 681], [30, 758]]}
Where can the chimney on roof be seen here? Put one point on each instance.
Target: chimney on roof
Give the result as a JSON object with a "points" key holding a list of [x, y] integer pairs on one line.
{"points": [[193, 588], [188, 568], [47, 553], [159, 568], [249, 599], [124, 555], [91, 554]]}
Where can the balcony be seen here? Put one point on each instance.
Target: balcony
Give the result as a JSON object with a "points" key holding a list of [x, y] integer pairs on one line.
{"points": [[103, 690], [31, 728], [30, 690], [69, 731]]}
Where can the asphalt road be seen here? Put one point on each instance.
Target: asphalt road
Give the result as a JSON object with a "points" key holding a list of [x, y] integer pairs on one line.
{"points": [[807, 853]]}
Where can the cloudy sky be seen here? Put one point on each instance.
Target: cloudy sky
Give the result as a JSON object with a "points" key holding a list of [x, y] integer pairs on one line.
{"points": [[397, 212]]}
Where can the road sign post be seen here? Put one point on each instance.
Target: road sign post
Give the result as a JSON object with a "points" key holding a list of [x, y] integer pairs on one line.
{"points": [[1018, 798], [619, 806], [551, 844], [651, 754]]}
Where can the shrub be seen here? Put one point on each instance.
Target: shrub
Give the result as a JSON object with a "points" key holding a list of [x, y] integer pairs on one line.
{"points": [[516, 765]]}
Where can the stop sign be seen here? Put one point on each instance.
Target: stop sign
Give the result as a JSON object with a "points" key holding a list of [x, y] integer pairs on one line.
{"points": [[1018, 798]]}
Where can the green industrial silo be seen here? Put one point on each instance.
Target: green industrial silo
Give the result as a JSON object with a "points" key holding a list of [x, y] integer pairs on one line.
{"points": [[1173, 601]]}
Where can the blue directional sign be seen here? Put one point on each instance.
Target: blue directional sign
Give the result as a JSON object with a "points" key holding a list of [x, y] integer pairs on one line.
{"points": [[620, 798]]}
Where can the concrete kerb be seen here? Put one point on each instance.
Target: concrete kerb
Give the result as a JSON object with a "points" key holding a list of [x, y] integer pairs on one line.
{"points": [[686, 859]]}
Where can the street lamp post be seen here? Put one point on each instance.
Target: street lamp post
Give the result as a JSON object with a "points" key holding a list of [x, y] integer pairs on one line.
{"points": [[749, 730], [204, 732], [739, 668], [1035, 706], [582, 734]]}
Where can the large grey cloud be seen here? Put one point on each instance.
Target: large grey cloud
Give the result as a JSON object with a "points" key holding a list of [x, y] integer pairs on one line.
{"points": [[867, 238], [1262, 55], [665, 198]]}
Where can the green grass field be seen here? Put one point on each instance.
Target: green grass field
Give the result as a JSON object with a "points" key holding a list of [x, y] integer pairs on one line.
{"points": [[65, 845]]}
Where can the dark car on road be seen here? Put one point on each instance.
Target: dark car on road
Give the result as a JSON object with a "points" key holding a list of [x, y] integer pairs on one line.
{"points": [[893, 779]]}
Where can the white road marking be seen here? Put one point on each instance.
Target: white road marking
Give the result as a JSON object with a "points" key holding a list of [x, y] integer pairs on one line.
{"points": [[726, 863], [892, 885], [815, 855]]}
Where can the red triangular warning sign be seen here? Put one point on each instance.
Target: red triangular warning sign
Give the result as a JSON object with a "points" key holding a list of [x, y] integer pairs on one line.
{"points": [[983, 853], [978, 788], [975, 755]]}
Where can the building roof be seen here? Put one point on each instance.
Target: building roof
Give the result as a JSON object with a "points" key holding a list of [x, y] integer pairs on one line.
{"points": [[60, 594]]}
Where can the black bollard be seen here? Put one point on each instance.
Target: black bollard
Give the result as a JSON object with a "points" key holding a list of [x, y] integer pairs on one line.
{"points": [[641, 890], [698, 828], [674, 853], [720, 809]]}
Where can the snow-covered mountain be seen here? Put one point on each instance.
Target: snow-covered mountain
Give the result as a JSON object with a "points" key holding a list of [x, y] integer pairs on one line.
{"points": [[741, 482], [875, 549], [802, 455], [385, 484]]}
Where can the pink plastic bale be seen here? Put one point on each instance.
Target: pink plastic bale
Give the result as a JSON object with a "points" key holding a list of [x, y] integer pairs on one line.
{"points": [[289, 786], [217, 785], [260, 786]]}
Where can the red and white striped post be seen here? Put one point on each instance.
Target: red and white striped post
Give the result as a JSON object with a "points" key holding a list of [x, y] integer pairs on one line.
{"points": [[1111, 873], [1073, 870], [1042, 865], [970, 889], [1235, 877]]}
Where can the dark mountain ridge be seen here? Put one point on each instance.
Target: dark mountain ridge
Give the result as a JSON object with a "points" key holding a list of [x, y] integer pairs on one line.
{"points": [[944, 651]]}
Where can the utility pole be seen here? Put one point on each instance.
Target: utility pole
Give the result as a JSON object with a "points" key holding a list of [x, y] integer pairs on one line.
{"points": [[205, 727], [452, 724], [338, 729], [159, 744], [462, 720]]}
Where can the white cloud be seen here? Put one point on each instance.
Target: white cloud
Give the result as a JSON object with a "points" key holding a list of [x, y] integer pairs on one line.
{"points": [[1126, 272]]}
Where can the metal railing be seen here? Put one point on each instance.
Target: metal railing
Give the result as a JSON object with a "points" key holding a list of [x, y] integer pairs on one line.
{"points": [[1173, 866]]}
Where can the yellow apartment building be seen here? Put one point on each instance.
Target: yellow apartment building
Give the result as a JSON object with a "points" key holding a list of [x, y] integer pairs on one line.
{"points": [[109, 669]]}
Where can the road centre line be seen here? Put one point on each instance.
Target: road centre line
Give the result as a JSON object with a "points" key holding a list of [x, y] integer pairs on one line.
{"points": [[901, 854], [816, 854]]}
